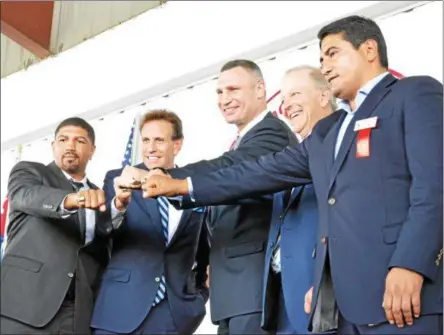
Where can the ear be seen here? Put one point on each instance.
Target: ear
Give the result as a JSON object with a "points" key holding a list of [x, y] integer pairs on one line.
{"points": [[177, 146], [370, 49], [325, 98], [93, 151], [260, 89]]}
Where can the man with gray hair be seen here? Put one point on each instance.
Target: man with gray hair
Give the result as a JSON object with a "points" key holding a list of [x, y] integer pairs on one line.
{"points": [[290, 254]]}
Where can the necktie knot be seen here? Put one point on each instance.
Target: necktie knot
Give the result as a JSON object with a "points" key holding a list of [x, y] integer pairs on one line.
{"points": [[77, 185]]}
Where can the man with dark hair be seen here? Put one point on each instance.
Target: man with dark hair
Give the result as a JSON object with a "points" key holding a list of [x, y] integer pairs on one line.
{"points": [[57, 240], [239, 232], [155, 280], [377, 169]]}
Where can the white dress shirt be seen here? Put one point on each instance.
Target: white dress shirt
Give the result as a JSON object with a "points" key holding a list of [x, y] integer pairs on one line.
{"points": [[174, 217], [345, 105], [90, 215]]}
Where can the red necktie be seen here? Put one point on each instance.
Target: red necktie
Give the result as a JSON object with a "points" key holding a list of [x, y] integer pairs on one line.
{"points": [[233, 145]]}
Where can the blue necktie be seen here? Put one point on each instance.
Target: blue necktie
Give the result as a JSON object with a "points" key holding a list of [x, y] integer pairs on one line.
{"points": [[163, 209]]}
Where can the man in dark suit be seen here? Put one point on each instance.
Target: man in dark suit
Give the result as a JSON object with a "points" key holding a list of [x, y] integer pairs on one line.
{"points": [[240, 232], [377, 170], [155, 280], [289, 261], [57, 239]]}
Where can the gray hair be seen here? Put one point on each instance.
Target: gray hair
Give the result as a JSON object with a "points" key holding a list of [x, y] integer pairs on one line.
{"points": [[318, 79]]}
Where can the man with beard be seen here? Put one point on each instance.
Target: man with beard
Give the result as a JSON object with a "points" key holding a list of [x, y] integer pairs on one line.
{"points": [[57, 239]]}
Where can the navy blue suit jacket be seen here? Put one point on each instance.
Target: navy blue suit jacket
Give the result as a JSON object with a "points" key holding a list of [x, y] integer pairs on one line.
{"points": [[298, 221], [375, 213], [139, 257]]}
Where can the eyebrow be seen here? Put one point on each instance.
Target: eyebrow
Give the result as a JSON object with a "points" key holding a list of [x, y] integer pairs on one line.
{"points": [[76, 137], [321, 59]]}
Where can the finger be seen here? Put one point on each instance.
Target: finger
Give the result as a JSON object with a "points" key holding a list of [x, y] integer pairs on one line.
{"points": [[387, 305], [397, 310], [406, 307], [87, 202], [102, 208], [416, 303], [100, 198], [307, 301], [92, 199]]}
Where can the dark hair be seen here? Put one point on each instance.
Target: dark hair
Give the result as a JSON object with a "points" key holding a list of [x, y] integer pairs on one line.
{"points": [[164, 115], [77, 122], [243, 63], [357, 30]]}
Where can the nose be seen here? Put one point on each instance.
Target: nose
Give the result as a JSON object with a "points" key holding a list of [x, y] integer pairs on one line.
{"points": [[151, 146], [70, 145], [325, 70], [224, 99]]}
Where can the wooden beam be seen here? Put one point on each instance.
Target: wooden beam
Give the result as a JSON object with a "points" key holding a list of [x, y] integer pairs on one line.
{"points": [[28, 23]]}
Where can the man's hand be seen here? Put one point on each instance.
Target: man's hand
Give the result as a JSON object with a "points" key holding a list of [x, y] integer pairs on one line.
{"points": [[92, 199], [123, 194], [402, 294], [307, 300], [158, 184], [131, 174]]}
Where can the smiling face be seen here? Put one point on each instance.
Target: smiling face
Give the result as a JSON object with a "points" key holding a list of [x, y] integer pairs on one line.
{"points": [[72, 149], [241, 96], [303, 101], [158, 147]]}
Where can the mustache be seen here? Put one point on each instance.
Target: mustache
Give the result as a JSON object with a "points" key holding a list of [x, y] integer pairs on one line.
{"points": [[70, 155]]}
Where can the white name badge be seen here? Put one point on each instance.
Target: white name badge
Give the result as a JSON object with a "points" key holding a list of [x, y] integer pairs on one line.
{"points": [[366, 123]]}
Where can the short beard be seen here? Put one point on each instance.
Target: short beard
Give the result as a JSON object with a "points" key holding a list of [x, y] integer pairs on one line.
{"points": [[71, 168]]}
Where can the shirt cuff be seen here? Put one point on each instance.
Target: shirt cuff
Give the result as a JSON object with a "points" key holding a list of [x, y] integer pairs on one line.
{"points": [[64, 213], [190, 189]]}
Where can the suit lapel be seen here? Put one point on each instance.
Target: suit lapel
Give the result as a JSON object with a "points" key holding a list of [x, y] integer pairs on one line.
{"points": [[63, 181], [376, 95], [293, 196], [150, 208], [65, 184], [330, 142], [183, 222]]}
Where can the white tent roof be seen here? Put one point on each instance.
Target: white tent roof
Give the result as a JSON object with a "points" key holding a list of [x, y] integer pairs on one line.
{"points": [[185, 42]]}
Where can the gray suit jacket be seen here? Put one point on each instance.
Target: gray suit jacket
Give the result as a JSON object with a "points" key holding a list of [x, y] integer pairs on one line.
{"points": [[44, 250]]}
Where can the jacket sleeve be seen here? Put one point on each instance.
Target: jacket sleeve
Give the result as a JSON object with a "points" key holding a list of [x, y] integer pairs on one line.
{"points": [[203, 260], [420, 241], [29, 194], [271, 138], [266, 175]]}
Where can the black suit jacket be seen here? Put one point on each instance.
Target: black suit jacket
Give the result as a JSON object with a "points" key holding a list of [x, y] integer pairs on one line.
{"points": [[44, 250], [239, 233]]}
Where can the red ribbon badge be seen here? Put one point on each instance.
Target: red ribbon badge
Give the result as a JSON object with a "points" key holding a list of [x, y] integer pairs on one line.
{"points": [[363, 143]]}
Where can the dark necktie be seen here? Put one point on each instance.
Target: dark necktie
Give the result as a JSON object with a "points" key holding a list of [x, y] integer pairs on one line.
{"points": [[81, 211]]}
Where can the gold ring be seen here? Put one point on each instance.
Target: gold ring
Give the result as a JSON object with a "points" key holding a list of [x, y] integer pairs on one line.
{"points": [[81, 198]]}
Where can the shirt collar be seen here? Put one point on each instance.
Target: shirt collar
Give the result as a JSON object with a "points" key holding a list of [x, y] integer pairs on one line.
{"points": [[84, 181], [252, 123], [363, 92], [299, 137]]}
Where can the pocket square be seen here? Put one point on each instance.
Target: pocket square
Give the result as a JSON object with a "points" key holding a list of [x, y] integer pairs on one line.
{"points": [[199, 209]]}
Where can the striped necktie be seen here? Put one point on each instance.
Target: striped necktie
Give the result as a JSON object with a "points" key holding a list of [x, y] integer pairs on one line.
{"points": [[163, 209]]}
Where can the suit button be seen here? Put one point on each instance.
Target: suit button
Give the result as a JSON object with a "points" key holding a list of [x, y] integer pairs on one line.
{"points": [[324, 240], [281, 216], [157, 279], [331, 201], [70, 275]]}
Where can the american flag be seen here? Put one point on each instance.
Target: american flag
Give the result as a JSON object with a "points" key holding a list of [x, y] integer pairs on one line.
{"points": [[132, 154]]}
